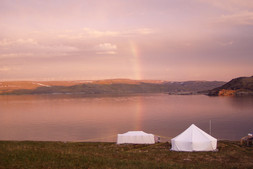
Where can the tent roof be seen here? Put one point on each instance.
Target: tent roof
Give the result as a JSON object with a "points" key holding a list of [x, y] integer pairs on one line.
{"points": [[193, 133], [130, 133]]}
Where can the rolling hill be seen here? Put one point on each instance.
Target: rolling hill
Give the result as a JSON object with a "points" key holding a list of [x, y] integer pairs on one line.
{"points": [[241, 86], [110, 86]]}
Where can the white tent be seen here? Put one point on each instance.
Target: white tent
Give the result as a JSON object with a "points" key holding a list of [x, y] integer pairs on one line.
{"points": [[194, 139], [136, 137]]}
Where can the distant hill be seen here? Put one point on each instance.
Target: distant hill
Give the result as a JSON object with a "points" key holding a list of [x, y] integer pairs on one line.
{"points": [[241, 86], [10, 86], [110, 86]]}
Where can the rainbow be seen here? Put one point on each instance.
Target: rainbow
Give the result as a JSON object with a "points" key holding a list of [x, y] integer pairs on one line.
{"points": [[138, 111], [136, 60], [138, 114]]}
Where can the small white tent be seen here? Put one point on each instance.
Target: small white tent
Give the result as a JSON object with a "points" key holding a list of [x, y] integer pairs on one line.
{"points": [[135, 137], [194, 139]]}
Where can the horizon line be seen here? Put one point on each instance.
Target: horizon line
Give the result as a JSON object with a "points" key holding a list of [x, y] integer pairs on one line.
{"points": [[87, 80]]}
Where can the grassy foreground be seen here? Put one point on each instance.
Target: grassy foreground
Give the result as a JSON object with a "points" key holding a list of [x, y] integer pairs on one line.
{"points": [[29, 154]]}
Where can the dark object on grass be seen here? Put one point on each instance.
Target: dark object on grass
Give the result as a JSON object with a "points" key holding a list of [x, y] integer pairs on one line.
{"points": [[247, 140]]}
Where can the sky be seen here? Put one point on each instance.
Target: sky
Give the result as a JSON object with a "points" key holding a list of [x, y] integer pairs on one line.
{"points": [[174, 40]]}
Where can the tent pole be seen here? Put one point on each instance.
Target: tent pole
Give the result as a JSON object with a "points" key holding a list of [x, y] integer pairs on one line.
{"points": [[210, 127]]}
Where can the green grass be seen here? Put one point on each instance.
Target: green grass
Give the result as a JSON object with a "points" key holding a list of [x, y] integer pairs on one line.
{"points": [[29, 154]]}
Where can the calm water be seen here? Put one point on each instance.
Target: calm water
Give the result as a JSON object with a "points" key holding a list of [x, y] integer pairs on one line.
{"points": [[69, 118]]}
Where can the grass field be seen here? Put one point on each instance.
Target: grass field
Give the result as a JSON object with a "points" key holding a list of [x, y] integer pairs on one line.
{"points": [[30, 154]]}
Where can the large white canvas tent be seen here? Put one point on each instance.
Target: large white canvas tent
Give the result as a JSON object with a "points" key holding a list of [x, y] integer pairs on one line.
{"points": [[194, 139], [135, 137]]}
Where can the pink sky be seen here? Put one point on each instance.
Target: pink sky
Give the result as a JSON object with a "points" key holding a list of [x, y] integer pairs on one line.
{"points": [[173, 40]]}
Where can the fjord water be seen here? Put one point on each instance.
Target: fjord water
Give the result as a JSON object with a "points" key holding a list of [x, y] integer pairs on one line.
{"points": [[101, 118]]}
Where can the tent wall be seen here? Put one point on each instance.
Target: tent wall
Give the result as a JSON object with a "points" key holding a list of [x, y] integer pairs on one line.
{"points": [[193, 146], [135, 139], [193, 139]]}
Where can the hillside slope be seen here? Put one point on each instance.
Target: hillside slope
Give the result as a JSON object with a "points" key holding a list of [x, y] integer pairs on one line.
{"points": [[113, 86], [241, 86]]}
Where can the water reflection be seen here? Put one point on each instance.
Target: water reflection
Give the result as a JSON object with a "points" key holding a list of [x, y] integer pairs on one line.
{"points": [[241, 102], [75, 117]]}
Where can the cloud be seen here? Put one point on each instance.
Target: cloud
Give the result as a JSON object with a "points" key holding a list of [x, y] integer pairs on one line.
{"points": [[106, 48], [58, 49], [4, 69], [40, 51], [9, 42], [28, 47], [97, 33], [76, 36], [106, 53], [241, 18], [144, 31], [15, 55], [230, 5], [87, 33], [226, 43], [123, 33], [233, 12]]}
